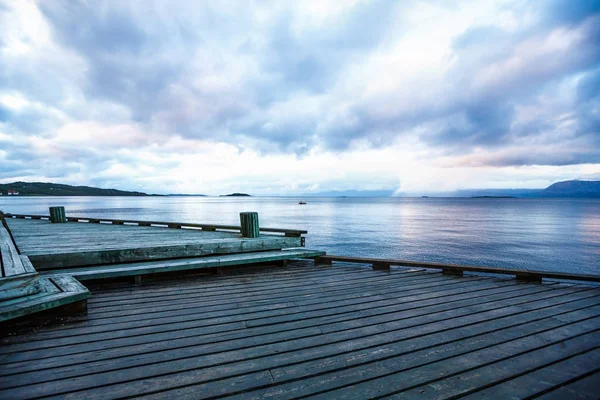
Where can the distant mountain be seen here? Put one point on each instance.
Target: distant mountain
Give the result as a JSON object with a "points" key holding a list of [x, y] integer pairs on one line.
{"points": [[57, 189], [572, 188]]}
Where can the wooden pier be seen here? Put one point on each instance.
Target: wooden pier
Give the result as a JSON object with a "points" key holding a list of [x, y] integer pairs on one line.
{"points": [[44, 262], [330, 329]]}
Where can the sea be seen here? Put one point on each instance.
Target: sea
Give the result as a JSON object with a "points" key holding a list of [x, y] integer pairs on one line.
{"points": [[536, 234]]}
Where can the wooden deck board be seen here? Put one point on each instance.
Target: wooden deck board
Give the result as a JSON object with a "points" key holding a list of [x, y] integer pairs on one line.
{"points": [[312, 331], [547, 378], [74, 244], [585, 388], [326, 323]]}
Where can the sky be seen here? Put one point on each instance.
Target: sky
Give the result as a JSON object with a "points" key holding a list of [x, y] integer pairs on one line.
{"points": [[290, 97]]}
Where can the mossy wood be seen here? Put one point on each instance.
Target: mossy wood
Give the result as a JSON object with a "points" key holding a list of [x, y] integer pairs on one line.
{"points": [[57, 215], [249, 224], [53, 292]]}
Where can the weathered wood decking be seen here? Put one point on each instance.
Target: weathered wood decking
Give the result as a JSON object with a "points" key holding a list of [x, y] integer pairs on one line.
{"points": [[319, 332], [58, 254], [76, 244]]}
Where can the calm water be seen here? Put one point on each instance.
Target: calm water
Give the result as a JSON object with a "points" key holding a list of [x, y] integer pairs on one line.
{"points": [[551, 234]]}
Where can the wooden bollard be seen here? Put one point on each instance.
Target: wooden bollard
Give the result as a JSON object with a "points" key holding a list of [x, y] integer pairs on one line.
{"points": [[57, 215], [249, 223]]}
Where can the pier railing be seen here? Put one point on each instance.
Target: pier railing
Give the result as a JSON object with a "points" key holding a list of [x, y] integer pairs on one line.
{"points": [[176, 225], [454, 269]]}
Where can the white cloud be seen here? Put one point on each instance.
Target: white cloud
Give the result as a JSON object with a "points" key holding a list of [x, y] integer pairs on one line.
{"points": [[291, 97]]}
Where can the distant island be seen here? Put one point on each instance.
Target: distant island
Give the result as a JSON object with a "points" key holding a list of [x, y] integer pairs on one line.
{"points": [[57, 189], [236, 195]]}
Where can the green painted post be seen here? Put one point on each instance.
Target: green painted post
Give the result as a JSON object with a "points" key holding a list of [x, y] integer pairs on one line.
{"points": [[57, 215], [249, 223]]}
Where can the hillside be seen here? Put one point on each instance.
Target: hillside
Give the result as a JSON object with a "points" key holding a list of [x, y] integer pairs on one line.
{"points": [[56, 189], [572, 188]]}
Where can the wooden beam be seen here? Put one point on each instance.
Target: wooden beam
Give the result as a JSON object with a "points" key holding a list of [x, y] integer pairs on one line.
{"points": [[454, 269], [381, 266], [322, 261], [183, 264], [291, 232], [57, 215], [67, 259], [10, 260], [249, 224]]}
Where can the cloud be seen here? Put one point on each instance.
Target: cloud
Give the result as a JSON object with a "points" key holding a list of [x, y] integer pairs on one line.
{"points": [[496, 84]]}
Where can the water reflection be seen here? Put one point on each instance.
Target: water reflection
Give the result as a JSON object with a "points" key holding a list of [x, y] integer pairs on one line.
{"points": [[516, 233]]}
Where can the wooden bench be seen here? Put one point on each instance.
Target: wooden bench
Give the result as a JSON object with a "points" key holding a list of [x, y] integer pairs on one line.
{"points": [[17, 275], [181, 264], [23, 292], [53, 292]]}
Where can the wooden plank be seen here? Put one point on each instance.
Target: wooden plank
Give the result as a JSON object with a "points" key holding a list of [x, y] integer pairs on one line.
{"points": [[46, 287], [37, 303], [410, 371], [241, 279], [413, 354], [413, 362], [513, 359], [191, 323], [287, 289], [305, 344], [452, 268], [68, 283], [215, 354], [186, 369], [49, 297], [370, 290], [587, 387], [123, 255], [27, 264], [193, 339], [533, 383], [119, 270], [182, 330], [314, 310], [199, 318], [27, 288], [11, 263], [319, 294]]}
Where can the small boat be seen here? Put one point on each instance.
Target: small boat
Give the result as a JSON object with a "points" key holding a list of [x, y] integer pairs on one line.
{"points": [[302, 202]]}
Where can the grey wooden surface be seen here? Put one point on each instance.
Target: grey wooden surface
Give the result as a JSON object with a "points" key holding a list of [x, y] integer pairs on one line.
{"points": [[325, 332], [51, 246], [44, 294], [42, 237]]}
